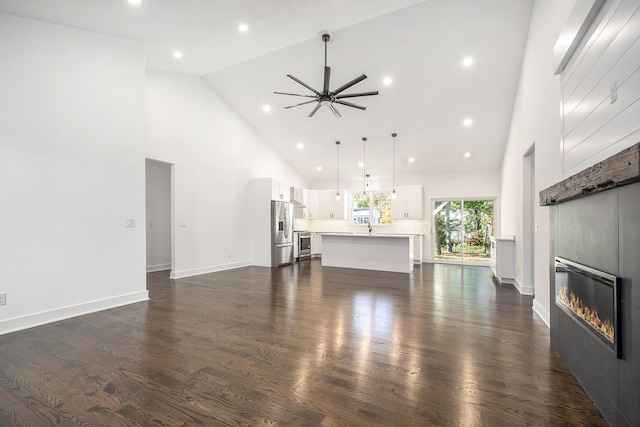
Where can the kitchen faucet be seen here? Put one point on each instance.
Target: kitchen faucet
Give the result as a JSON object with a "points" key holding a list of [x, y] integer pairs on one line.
{"points": [[370, 228]]}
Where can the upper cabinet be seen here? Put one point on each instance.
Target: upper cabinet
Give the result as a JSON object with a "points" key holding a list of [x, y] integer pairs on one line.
{"points": [[330, 208], [408, 203], [314, 204], [280, 191]]}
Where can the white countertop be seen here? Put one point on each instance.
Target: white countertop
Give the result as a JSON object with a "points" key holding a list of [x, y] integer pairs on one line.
{"points": [[509, 238], [368, 235]]}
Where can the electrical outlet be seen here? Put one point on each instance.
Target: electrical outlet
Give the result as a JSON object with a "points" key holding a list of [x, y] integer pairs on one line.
{"points": [[3, 298], [229, 255]]}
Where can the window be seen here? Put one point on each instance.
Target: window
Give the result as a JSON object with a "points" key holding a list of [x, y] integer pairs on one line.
{"points": [[463, 230], [372, 208]]}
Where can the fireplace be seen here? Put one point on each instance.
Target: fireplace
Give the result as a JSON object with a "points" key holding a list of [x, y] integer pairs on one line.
{"points": [[590, 297]]}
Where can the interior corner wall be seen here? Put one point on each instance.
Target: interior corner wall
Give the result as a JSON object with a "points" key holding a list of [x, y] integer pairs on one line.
{"points": [[71, 172], [536, 119], [158, 219], [215, 153]]}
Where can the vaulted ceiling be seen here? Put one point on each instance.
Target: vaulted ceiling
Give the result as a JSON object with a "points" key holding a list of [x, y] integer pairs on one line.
{"points": [[420, 45]]}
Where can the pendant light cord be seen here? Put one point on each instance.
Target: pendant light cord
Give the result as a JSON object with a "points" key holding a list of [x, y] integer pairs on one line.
{"points": [[337, 169], [364, 165], [394, 160]]}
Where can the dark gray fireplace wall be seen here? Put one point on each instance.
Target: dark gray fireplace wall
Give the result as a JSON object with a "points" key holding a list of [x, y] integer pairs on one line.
{"points": [[603, 232]]}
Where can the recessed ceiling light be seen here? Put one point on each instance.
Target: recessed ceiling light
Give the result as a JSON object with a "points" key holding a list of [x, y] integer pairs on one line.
{"points": [[243, 28], [319, 168], [361, 165], [468, 61], [467, 154], [467, 122], [135, 1], [411, 160], [300, 146], [266, 108], [387, 81], [177, 54]]}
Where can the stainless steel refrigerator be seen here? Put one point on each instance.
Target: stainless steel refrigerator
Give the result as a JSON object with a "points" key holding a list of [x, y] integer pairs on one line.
{"points": [[281, 233]]}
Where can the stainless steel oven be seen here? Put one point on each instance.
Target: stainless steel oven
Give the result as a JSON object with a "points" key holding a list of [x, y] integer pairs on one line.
{"points": [[304, 244]]}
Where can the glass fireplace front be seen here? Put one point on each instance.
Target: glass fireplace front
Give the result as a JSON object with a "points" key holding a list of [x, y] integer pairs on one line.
{"points": [[590, 297]]}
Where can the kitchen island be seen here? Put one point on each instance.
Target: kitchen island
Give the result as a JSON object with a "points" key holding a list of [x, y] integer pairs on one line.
{"points": [[382, 252]]}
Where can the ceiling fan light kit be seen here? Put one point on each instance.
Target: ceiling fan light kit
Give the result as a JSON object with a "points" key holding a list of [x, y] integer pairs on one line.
{"points": [[326, 96]]}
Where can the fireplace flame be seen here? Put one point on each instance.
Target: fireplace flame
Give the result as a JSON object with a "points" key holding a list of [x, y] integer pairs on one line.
{"points": [[573, 303]]}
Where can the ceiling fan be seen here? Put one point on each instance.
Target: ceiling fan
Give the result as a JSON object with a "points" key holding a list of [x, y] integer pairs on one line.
{"points": [[329, 97]]}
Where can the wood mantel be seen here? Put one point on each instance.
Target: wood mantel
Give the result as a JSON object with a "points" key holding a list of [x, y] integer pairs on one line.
{"points": [[620, 169]]}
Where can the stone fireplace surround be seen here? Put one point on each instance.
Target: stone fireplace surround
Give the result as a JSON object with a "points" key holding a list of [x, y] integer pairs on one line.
{"points": [[595, 220]]}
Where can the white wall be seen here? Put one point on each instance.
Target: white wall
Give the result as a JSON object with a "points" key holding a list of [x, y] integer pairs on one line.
{"points": [[215, 154], [536, 120], [595, 128], [158, 219], [71, 171]]}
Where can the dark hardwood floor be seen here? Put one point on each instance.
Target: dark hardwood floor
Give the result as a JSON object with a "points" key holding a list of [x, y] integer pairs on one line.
{"points": [[300, 345]]}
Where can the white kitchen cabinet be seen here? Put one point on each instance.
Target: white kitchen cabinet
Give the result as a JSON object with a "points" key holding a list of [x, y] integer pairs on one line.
{"points": [[503, 259], [417, 249], [314, 204], [280, 191], [408, 203], [316, 244], [330, 208]]}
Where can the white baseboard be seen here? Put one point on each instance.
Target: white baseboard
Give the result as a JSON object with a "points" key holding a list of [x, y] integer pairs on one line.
{"points": [[158, 267], [524, 290], [542, 313], [204, 270], [62, 313]]}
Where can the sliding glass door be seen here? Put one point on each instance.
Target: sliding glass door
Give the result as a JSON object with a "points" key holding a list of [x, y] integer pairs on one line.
{"points": [[462, 230]]}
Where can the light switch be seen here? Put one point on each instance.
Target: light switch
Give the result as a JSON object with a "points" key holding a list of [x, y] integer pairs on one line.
{"points": [[183, 224], [130, 222]]}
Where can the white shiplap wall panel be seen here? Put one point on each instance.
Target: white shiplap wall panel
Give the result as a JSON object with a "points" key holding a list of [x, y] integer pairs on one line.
{"points": [[592, 45], [620, 73], [609, 46], [594, 128], [616, 64], [615, 130], [605, 112], [607, 152]]}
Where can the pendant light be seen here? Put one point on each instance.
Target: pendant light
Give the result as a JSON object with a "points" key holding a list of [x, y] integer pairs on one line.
{"points": [[337, 171], [364, 166], [394, 194]]}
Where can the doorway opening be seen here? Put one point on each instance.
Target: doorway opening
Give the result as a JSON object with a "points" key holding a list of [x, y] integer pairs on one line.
{"points": [[158, 195], [462, 230]]}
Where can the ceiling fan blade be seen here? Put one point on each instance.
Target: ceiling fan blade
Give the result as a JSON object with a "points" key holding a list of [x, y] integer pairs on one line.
{"points": [[353, 95], [297, 105], [314, 110], [294, 94], [348, 85], [327, 77], [335, 111], [303, 84], [348, 104]]}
